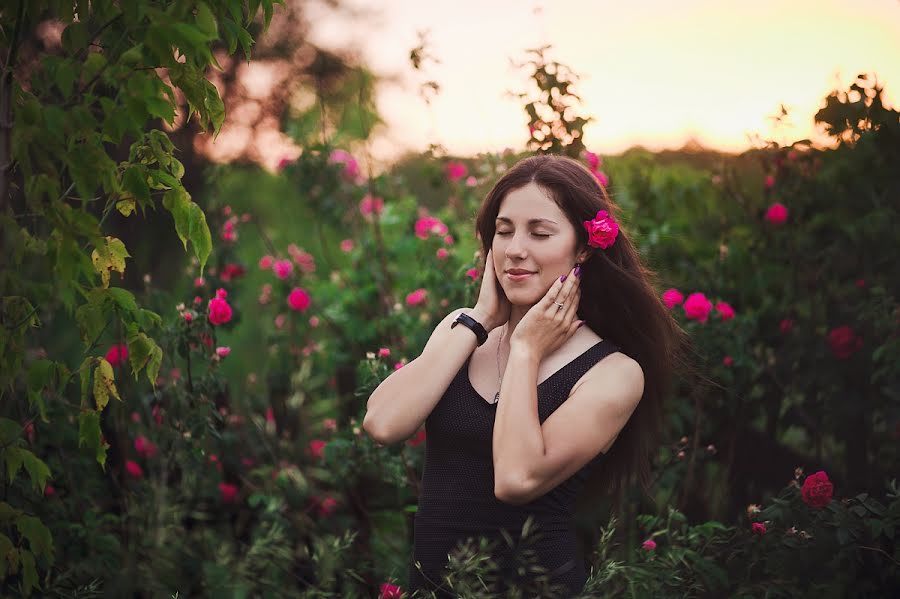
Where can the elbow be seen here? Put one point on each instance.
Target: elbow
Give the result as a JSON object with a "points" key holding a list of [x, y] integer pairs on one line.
{"points": [[515, 491], [375, 433]]}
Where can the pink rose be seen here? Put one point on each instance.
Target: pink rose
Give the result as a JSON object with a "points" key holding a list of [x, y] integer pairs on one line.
{"points": [[49, 491], [471, 181], [473, 273], [327, 506], [429, 224], [279, 321], [283, 269], [347, 246], [199, 282], [697, 307], [602, 230], [725, 310], [351, 167], [448, 239], [222, 351], [769, 182], [329, 424], [219, 311], [313, 321], [649, 545], [398, 365], [317, 448], [416, 297], [442, 254], [390, 591], [594, 161], [228, 492], [455, 171], [758, 528], [265, 263], [727, 360], [777, 213], [270, 415], [144, 447], [298, 299], [133, 469], [602, 179], [370, 204], [844, 342], [384, 352], [817, 490], [786, 325], [672, 297], [117, 354]]}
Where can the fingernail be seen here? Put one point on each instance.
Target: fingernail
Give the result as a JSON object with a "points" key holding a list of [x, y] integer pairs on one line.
{"points": [[562, 278], [578, 271]]}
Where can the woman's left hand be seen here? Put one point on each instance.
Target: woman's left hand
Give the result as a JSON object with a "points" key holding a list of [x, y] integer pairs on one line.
{"points": [[546, 326]]}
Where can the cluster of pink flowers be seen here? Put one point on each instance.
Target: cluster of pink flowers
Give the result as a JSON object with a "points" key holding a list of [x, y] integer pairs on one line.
{"points": [[430, 225], [219, 310], [697, 306], [351, 171], [229, 233], [416, 297], [317, 448], [144, 447], [117, 354], [844, 342], [283, 269], [455, 171], [594, 161], [302, 258], [390, 591], [232, 271], [371, 205], [347, 246]]}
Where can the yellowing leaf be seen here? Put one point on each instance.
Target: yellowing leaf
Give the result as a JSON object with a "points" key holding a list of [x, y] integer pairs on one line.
{"points": [[126, 207], [110, 255], [104, 384]]}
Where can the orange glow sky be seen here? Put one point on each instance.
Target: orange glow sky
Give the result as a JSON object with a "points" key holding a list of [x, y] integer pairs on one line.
{"points": [[653, 72]]}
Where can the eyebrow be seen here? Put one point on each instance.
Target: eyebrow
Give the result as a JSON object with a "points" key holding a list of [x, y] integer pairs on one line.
{"points": [[531, 221]]}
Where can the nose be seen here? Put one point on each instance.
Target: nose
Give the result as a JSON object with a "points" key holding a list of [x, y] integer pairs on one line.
{"points": [[516, 248]]}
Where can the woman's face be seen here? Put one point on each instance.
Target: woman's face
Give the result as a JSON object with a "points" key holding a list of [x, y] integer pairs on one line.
{"points": [[532, 234]]}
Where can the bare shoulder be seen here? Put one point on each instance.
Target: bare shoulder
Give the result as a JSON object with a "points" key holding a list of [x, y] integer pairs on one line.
{"points": [[619, 376]]}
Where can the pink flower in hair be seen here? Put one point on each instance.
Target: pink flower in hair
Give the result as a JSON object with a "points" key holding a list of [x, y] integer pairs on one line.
{"points": [[602, 230]]}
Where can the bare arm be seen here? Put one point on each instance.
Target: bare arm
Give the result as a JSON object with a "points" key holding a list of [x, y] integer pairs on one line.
{"points": [[402, 402]]}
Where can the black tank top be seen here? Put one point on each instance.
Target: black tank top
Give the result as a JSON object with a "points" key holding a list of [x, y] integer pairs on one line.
{"points": [[457, 492]]}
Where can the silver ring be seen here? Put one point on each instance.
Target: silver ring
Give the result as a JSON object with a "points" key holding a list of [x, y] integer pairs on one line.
{"points": [[560, 306]]}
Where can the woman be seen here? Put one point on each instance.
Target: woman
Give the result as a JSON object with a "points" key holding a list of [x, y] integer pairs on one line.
{"points": [[520, 414]]}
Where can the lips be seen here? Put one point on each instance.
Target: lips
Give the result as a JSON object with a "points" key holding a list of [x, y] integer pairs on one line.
{"points": [[517, 271]]}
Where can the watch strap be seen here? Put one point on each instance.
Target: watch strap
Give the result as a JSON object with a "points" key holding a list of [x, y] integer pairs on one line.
{"points": [[474, 325]]}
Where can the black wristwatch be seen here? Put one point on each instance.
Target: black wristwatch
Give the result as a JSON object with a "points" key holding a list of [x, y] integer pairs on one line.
{"points": [[473, 324]]}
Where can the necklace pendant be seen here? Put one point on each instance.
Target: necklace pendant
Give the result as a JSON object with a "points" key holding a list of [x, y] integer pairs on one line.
{"points": [[496, 397]]}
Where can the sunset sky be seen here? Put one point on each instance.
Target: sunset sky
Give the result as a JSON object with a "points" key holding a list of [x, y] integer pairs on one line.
{"points": [[653, 72]]}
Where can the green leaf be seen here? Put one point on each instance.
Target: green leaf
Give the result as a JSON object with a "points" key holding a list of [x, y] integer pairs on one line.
{"points": [[91, 320], [85, 371], [123, 298], [89, 435], [156, 356], [13, 458], [199, 234], [38, 535], [7, 513], [10, 556], [29, 572], [134, 181], [75, 37], [10, 430], [37, 471]]}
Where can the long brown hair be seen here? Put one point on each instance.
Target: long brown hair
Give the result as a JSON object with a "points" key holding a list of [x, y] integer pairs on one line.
{"points": [[619, 301]]}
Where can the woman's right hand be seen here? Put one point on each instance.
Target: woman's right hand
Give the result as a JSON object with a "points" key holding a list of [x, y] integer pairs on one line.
{"points": [[492, 306]]}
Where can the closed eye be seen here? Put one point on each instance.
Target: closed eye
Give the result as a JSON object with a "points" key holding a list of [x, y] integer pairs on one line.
{"points": [[507, 233]]}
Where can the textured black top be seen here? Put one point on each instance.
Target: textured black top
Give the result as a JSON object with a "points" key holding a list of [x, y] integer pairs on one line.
{"points": [[457, 493]]}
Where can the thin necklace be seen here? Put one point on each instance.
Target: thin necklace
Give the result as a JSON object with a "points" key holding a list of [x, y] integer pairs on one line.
{"points": [[499, 378]]}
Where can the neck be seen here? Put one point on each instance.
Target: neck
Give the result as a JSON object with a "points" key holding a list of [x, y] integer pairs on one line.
{"points": [[516, 315]]}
